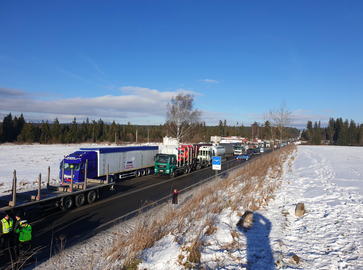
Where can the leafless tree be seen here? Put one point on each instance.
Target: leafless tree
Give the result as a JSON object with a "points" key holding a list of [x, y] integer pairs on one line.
{"points": [[181, 115], [280, 118]]}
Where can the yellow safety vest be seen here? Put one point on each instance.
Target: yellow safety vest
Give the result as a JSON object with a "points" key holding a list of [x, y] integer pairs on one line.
{"points": [[7, 225]]}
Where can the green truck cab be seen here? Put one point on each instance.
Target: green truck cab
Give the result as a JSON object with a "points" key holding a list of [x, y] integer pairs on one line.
{"points": [[165, 164], [168, 164]]}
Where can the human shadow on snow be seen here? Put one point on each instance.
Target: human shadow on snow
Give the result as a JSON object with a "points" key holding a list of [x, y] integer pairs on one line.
{"points": [[259, 253]]}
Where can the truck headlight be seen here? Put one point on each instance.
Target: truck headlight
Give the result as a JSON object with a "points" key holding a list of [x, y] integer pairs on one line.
{"points": [[167, 171]]}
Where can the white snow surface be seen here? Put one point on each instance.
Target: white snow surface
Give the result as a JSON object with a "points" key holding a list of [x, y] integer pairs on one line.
{"points": [[327, 179]]}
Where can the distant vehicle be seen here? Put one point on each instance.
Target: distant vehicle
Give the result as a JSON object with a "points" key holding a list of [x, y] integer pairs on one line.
{"points": [[238, 150], [253, 152], [244, 156]]}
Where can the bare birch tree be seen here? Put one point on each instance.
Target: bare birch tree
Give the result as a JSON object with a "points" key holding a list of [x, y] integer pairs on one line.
{"points": [[280, 118], [181, 116]]}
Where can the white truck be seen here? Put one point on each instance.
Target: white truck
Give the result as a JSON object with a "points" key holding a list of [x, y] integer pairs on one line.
{"points": [[238, 150], [206, 154], [228, 149]]}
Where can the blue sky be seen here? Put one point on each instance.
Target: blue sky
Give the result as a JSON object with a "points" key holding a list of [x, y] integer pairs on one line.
{"points": [[124, 60]]}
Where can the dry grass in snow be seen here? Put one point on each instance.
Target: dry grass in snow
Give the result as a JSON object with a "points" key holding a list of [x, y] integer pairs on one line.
{"points": [[246, 189]]}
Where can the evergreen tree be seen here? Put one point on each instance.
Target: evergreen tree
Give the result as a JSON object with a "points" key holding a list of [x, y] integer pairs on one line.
{"points": [[343, 132], [27, 133], [18, 125], [267, 130], [8, 128], [56, 131], [112, 134], [45, 135], [73, 132], [316, 139], [360, 135], [1, 133], [309, 128], [352, 133], [330, 130]]}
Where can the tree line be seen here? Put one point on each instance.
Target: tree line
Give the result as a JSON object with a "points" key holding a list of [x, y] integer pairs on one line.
{"points": [[338, 132], [16, 129]]}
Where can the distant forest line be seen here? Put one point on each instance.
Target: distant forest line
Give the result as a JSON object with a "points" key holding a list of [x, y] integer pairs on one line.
{"points": [[17, 129], [338, 132]]}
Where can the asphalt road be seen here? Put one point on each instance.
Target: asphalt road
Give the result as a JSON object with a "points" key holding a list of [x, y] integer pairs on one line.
{"points": [[52, 225]]}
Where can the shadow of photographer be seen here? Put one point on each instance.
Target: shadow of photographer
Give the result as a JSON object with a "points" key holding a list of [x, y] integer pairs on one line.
{"points": [[257, 228]]}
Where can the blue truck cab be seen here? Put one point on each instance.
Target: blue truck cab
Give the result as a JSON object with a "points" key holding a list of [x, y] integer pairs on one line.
{"points": [[77, 162]]}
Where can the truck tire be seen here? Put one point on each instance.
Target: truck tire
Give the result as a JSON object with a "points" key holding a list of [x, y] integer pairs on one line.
{"points": [[173, 174], [80, 200], [91, 196], [67, 203], [110, 178], [199, 166], [137, 173], [148, 171], [143, 172]]}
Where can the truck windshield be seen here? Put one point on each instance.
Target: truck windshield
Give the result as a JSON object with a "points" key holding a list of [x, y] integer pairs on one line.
{"points": [[162, 159], [70, 166]]}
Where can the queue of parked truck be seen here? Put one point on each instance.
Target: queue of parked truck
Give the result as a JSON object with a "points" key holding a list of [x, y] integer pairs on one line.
{"points": [[85, 173]]}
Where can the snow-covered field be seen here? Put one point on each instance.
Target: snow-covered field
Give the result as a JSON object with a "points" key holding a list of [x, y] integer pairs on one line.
{"points": [[327, 179], [29, 161]]}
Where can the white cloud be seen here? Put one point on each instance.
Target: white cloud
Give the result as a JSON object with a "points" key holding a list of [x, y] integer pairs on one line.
{"points": [[211, 81], [136, 105]]}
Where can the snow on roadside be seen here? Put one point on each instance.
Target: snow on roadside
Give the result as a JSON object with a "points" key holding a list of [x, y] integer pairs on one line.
{"points": [[329, 181]]}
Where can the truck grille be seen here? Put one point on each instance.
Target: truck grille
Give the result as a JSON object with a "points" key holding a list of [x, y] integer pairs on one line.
{"points": [[162, 166]]}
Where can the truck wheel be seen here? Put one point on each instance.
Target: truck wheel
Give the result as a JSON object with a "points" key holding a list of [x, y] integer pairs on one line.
{"points": [[148, 171], [67, 203], [172, 174], [91, 196], [199, 166], [138, 173], [110, 178], [80, 200], [143, 172]]}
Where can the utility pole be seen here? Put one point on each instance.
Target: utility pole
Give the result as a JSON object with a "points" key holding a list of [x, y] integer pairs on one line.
{"points": [[136, 135], [148, 135]]}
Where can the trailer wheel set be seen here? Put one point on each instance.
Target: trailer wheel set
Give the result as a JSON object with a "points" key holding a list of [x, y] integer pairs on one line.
{"points": [[142, 172], [78, 200]]}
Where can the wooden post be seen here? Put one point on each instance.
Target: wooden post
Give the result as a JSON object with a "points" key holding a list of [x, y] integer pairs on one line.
{"points": [[71, 188], [39, 186], [107, 174], [62, 172], [48, 176], [13, 203], [85, 175]]}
